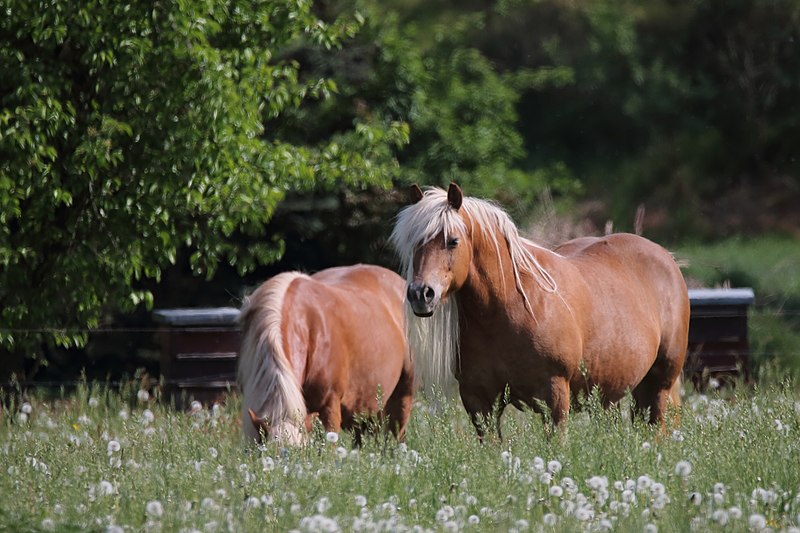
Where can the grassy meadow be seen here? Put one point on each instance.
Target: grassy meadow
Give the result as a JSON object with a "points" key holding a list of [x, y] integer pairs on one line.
{"points": [[119, 460]]}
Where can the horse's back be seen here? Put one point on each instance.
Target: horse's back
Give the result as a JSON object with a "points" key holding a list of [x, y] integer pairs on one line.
{"points": [[373, 279], [625, 257]]}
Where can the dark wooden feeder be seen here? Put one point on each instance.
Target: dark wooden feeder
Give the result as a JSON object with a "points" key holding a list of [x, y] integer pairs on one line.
{"points": [[198, 352], [718, 342]]}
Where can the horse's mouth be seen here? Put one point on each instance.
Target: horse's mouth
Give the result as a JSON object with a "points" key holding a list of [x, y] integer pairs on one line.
{"points": [[423, 314]]}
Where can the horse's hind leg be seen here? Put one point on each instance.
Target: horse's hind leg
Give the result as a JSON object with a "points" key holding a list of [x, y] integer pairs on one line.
{"points": [[398, 406], [658, 388]]}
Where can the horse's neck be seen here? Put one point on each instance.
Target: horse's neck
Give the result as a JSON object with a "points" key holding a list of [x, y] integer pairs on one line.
{"points": [[492, 284]]}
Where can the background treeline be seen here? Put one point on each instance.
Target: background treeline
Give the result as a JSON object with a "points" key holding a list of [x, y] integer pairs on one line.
{"points": [[148, 147]]}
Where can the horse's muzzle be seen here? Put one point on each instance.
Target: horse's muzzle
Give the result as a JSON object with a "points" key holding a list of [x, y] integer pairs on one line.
{"points": [[422, 298]]}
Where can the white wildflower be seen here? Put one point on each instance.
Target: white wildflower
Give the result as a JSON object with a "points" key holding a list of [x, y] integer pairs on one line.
{"points": [[142, 396], [332, 437], [26, 408]]}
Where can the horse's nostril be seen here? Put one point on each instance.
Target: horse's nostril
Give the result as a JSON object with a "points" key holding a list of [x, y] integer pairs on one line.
{"points": [[428, 294]]}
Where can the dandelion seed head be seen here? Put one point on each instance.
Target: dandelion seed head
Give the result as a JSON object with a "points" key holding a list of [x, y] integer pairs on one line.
{"points": [[757, 522], [549, 519], [683, 468], [93, 402], [123, 414], [26, 408], [720, 516], [341, 453], [473, 520], [554, 467], [252, 503], [48, 524], [556, 491], [147, 416], [105, 488], [650, 528], [332, 437], [677, 436], [154, 509], [143, 396], [22, 418]]}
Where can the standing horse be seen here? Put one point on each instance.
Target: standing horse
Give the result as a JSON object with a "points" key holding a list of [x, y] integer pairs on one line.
{"points": [[521, 324], [329, 345]]}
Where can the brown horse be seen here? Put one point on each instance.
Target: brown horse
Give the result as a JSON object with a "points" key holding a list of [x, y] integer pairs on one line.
{"points": [[509, 316], [332, 345]]}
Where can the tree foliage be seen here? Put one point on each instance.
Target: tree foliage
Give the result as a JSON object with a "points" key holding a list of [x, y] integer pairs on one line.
{"points": [[675, 105], [129, 130]]}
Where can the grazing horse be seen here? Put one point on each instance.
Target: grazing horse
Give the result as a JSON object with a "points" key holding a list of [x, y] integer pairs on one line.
{"points": [[517, 323], [332, 345]]}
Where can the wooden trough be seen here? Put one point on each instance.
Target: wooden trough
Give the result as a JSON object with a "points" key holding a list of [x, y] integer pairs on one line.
{"points": [[199, 346]]}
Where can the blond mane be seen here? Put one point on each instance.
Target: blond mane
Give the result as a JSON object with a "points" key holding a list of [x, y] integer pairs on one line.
{"points": [[269, 386], [434, 340]]}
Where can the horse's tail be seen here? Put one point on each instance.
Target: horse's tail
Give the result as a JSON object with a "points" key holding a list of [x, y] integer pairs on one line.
{"points": [[269, 387]]}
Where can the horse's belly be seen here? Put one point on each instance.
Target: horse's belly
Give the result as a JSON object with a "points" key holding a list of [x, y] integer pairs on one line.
{"points": [[615, 371]]}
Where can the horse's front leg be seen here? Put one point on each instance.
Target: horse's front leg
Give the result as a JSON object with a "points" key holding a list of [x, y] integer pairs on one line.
{"points": [[482, 412], [557, 398], [330, 414]]}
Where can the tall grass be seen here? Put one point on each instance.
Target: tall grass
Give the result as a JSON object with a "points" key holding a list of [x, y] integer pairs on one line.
{"points": [[106, 460]]}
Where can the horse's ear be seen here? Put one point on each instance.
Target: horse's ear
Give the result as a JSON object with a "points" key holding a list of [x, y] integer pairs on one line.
{"points": [[454, 196], [258, 423], [416, 193]]}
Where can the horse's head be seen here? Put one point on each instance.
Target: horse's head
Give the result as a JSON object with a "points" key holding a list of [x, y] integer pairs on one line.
{"points": [[284, 431], [432, 239]]}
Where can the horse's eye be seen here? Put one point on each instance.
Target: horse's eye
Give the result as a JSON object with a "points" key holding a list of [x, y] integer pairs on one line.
{"points": [[452, 243]]}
